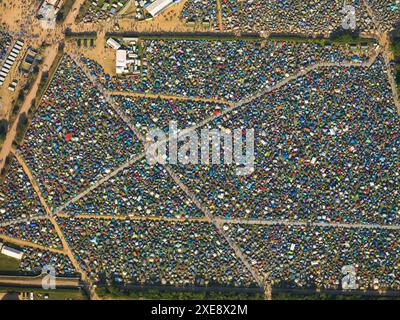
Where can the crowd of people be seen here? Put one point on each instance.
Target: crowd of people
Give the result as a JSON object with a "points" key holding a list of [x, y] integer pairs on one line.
{"points": [[154, 252], [226, 69], [326, 149], [34, 261], [313, 257], [139, 190], [68, 144], [37, 231], [18, 199]]}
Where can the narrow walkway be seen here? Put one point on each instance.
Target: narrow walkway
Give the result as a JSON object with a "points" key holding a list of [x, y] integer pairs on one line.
{"points": [[218, 225], [279, 85], [131, 218], [23, 220], [166, 97], [25, 243], [95, 185], [219, 13], [34, 184], [384, 42], [283, 222], [108, 98]]}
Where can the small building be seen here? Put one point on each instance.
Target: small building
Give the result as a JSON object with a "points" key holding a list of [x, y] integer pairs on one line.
{"points": [[11, 252], [13, 85], [130, 39], [113, 44], [28, 60]]}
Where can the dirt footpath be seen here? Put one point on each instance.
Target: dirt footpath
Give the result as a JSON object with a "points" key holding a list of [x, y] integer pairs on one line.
{"points": [[50, 54], [37, 281]]}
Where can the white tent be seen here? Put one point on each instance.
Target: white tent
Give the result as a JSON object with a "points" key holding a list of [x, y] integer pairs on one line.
{"points": [[11, 252], [158, 6], [113, 44]]}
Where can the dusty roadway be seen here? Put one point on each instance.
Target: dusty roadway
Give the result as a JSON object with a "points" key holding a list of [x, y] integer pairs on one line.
{"points": [[70, 19], [131, 218], [24, 243], [36, 281], [384, 42], [50, 54], [168, 97], [281, 222]]}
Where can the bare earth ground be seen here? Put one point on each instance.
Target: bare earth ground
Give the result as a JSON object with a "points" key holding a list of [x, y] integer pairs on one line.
{"points": [[37, 281], [50, 54]]}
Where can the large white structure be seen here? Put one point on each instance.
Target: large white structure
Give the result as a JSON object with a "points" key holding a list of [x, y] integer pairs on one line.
{"points": [[158, 6], [11, 252], [121, 62]]}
